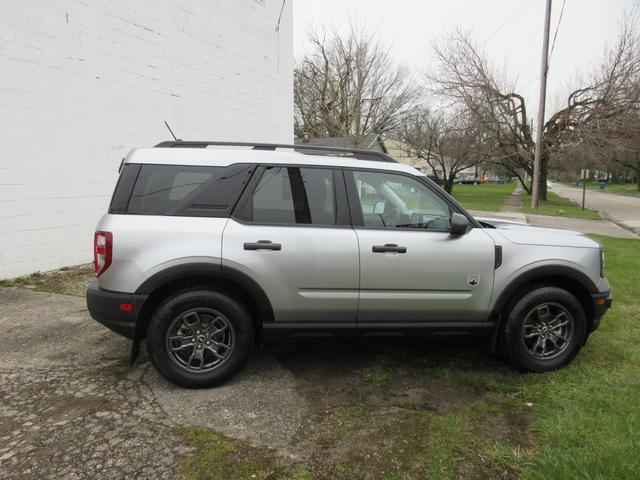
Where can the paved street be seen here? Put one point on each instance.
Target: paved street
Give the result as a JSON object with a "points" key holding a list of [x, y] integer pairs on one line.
{"points": [[619, 208]]}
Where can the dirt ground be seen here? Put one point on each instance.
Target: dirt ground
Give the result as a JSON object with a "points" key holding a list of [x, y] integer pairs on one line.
{"points": [[71, 406]]}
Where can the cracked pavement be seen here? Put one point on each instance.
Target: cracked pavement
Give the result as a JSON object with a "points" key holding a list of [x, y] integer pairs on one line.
{"points": [[71, 406]]}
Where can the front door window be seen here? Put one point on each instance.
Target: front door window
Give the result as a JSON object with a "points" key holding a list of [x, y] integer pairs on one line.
{"points": [[389, 200]]}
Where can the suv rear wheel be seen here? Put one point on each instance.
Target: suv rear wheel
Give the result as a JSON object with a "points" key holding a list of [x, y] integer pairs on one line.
{"points": [[199, 338], [544, 329]]}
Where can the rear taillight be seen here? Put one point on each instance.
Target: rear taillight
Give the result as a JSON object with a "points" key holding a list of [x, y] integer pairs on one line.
{"points": [[102, 248]]}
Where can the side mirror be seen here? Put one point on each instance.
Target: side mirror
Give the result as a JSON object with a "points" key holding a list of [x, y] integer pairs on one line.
{"points": [[379, 207], [459, 224]]}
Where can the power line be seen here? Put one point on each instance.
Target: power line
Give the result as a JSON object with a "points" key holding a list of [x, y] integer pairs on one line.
{"points": [[507, 22], [280, 16], [555, 35]]}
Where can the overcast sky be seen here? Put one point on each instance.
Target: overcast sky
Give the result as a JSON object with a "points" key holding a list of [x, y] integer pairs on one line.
{"points": [[510, 29]]}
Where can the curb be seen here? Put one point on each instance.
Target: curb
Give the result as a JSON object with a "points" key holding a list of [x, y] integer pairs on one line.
{"points": [[624, 226]]}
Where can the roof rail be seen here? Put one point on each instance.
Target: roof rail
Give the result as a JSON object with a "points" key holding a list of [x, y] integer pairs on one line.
{"points": [[305, 149]]}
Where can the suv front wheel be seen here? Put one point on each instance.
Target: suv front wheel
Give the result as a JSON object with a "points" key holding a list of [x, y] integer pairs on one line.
{"points": [[544, 329], [199, 338]]}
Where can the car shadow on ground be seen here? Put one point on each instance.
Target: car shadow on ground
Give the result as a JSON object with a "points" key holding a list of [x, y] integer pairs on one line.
{"points": [[343, 371], [396, 396]]}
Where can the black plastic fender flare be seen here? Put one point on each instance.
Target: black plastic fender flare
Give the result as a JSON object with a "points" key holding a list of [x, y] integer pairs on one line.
{"points": [[561, 271], [214, 271]]}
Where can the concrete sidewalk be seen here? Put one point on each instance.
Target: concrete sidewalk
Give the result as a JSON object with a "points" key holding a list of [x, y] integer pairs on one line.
{"points": [[597, 227], [511, 211]]}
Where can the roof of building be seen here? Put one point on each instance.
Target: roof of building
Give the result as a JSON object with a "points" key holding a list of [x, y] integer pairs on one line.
{"points": [[371, 141]]}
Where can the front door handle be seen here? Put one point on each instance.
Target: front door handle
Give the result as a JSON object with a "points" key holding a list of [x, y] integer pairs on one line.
{"points": [[388, 247], [262, 245]]}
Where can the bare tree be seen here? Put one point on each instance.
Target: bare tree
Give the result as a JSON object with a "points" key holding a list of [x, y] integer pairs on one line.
{"points": [[605, 115], [603, 110], [449, 143], [348, 86], [464, 77]]}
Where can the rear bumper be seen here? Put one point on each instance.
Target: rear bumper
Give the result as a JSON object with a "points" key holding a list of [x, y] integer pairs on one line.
{"points": [[601, 303], [104, 307]]}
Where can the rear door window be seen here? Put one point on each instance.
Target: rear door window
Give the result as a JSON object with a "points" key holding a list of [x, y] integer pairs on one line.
{"points": [[294, 195], [273, 199]]}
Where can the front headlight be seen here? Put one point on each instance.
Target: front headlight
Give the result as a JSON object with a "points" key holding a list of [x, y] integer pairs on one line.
{"points": [[601, 262]]}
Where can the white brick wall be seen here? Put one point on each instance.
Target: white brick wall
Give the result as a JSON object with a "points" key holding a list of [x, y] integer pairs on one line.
{"points": [[82, 82]]}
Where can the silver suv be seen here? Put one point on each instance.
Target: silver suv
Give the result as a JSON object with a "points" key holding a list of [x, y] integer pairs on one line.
{"points": [[210, 249]]}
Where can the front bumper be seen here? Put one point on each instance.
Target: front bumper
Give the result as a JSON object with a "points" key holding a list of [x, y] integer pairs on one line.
{"points": [[104, 307], [601, 303]]}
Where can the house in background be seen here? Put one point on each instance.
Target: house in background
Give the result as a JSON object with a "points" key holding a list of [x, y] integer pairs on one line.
{"points": [[399, 151], [438, 172], [84, 82]]}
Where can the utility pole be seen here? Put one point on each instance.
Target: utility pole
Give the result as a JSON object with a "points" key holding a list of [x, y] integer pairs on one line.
{"points": [[544, 70]]}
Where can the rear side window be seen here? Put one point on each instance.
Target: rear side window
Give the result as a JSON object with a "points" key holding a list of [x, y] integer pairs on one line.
{"points": [[180, 190], [293, 195]]}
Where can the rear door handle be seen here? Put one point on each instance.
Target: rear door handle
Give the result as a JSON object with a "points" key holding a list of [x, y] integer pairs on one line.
{"points": [[262, 245], [388, 247]]}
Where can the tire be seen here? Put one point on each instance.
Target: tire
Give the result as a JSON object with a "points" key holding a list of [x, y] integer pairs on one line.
{"points": [[199, 338], [544, 329]]}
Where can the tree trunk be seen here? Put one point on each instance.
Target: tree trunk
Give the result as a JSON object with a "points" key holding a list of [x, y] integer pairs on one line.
{"points": [[638, 173], [448, 185], [542, 185], [526, 187]]}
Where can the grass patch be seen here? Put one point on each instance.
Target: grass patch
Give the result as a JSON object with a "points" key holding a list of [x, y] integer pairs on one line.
{"points": [[66, 281], [507, 461], [448, 435], [557, 206], [486, 196], [354, 411], [460, 444], [378, 376], [588, 424], [217, 457]]}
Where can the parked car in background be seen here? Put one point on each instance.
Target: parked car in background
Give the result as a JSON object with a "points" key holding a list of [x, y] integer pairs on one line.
{"points": [[497, 179], [467, 179]]}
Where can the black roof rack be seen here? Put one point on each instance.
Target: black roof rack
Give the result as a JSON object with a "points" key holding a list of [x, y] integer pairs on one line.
{"points": [[305, 149]]}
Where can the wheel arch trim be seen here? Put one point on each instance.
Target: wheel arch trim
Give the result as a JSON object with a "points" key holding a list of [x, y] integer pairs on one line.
{"points": [[227, 278], [558, 271], [528, 276]]}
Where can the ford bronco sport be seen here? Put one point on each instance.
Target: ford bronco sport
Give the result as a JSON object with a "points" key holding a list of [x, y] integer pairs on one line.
{"points": [[209, 249]]}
